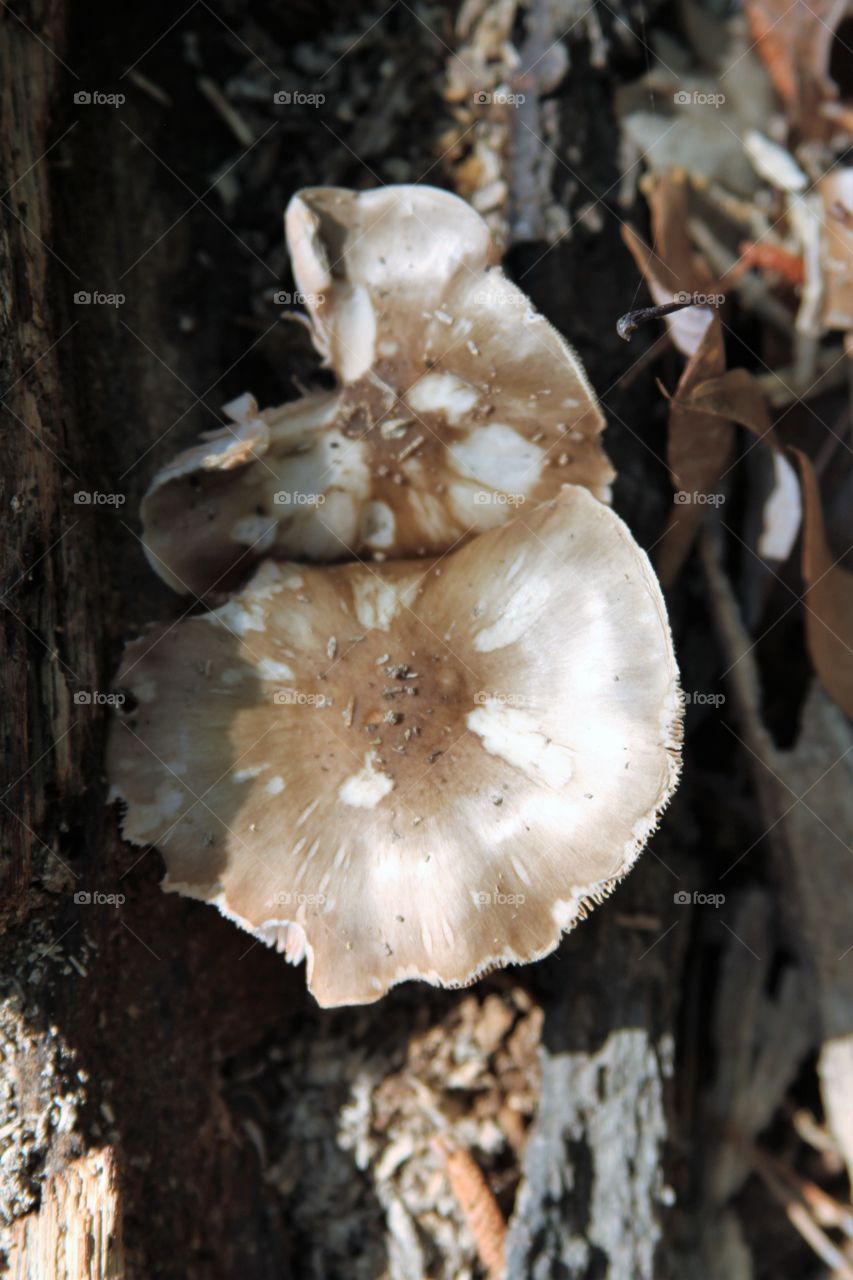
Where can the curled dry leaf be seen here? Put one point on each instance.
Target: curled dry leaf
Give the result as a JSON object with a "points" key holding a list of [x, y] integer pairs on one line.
{"points": [[699, 443], [735, 396], [455, 401], [828, 598], [708, 398], [699, 447], [794, 42], [407, 771]]}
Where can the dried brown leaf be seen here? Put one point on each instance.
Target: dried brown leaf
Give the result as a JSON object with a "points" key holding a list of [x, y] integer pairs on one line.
{"points": [[828, 597], [736, 396], [794, 42], [699, 447], [700, 440]]}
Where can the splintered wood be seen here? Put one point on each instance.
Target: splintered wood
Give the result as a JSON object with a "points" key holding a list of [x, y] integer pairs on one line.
{"points": [[76, 1233]]}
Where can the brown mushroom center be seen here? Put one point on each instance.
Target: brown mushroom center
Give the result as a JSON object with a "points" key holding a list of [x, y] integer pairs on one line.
{"points": [[407, 704], [397, 434]]}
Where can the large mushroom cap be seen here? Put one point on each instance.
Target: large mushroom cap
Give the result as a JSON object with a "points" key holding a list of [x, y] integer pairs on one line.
{"points": [[455, 402], [409, 770]]}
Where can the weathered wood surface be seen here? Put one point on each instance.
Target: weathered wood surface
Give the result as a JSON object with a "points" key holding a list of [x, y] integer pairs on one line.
{"points": [[76, 1234]]}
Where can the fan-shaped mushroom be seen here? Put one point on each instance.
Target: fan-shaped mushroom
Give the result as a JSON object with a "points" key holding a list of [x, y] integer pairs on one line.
{"points": [[411, 770], [455, 401]]}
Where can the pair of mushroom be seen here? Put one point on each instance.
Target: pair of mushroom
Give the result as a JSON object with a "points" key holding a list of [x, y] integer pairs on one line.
{"points": [[428, 759]]}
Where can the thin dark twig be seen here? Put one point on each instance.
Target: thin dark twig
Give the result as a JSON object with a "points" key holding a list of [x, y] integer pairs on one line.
{"points": [[632, 320]]}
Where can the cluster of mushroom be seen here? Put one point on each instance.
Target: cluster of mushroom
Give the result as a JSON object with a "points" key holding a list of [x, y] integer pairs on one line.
{"points": [[442, 716]]}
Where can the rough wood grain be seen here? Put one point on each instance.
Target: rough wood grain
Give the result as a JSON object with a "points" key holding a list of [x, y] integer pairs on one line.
{"points": [[48, 588], [77, 1232]]}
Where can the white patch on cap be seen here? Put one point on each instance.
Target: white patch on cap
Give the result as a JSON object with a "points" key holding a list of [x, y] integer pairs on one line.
{"points": [[145, 690], [432, 519], [243, 409], [499, 458], [323, 489], [513, 735], [378, 525], [306, 813], [364, 790], [518, 615], [146, 817], [443, 393], [257, 532], [286, 936], [520, 870], [377, 603], [269, 669], [267, 581], [565, 910], [275, 786], [470, 509], [329, 533], [245, 775], [341, 858], [515, 566], [337, 462], [237, 617], [355, 350]]}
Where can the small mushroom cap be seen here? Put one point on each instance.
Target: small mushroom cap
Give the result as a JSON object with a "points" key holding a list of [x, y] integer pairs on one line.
{"points": [[456, 403], [410, 770]]}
